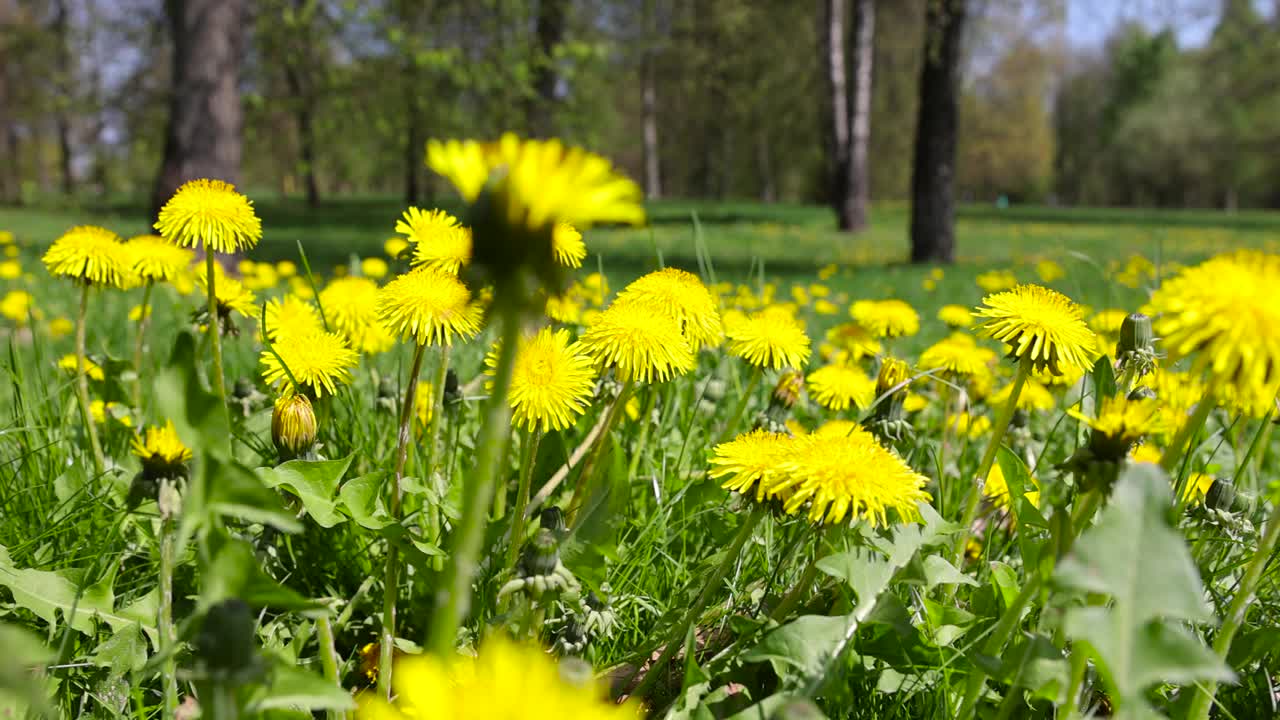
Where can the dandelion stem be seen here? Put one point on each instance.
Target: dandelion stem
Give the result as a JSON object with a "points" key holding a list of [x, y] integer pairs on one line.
{"points": [[391, 573], [454, 596], [143, 320], [329, 658], [164, 621], [793, 596], [433, 439], [736, 417], [82, 383], [1236, 611], [709, 585], [215, 336], [989, 458], [530, 459], [1173, 453], [646, 426], [585, 478]]}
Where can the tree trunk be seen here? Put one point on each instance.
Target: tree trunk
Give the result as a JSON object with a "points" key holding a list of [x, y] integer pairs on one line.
{"points": [[306, 132], [62, 118], [413, 148], [857, 195], [10, 172], [205, 116], [838, 101], [649, 107], [933, 174], [549, 33]]}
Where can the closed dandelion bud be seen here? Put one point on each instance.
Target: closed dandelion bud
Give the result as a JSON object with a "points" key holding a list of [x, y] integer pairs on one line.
{"points": [[787, 392], [1221, 495], [293, 426], [1135, 334], [893, 372], [541, 555], [225, 645], [452, 390], [1142, 393], [552, 518]]}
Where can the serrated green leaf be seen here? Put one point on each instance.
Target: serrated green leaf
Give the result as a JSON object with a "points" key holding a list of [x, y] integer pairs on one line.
{"points": [[1018, 479], [802, 647], [938, 571], [866, 572], [125, 651], [56, 594], [315, 484], [362, 499], [235, 491], [294, 688], [1005, 580]]}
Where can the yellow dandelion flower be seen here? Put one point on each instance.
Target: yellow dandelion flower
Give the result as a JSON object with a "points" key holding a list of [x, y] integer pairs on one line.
{"points": [[994, 281], [1042, 326], [10, 270], [551, 383], [17, 305], [1108, 322], [1120, 422], [957, 356], [746, 461], [1050, 271], [232, 295], [136, 313], [564, 309], [838, 387], [771, 338], [61, 327], [351, 307], [955, 316], [161, 451], [638, 343], [374, 267], [286, 269], [291, 315], [102, 411], [567, 245], [318, 360], [886, 318], [439, 240], [1225, 314], [1034, 396], [834, 476], [822, 306], [996, 489], [537, 183], [154, 259], [504, 681], [6, 237], [914, 402], [839, 427], [92, 369], [210, 214], [1198, 483], [394, 247], [855, 340], [429, 305], [683, 296], [90, 254], [970, 426]]}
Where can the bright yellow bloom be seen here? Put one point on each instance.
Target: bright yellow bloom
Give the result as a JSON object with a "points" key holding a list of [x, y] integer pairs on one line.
{"points": [[854, 339], [771, 338], [318, 360], [837, 387], [155, 259], [552, 381], [955, 316], [91, 368], [231, 294], [161, 450], [822, 306], [994, 281], [351, 306], [429, 305], [136, 313], [971, 426], [210, 214], [1225, 314], [293, 425], [957, 356], [100, 411], [1034, 396], [374, 267], [6, 237], [10, 270], [439, 240], [886, 318], [826, 272], [16, 306], [1108, 322], [683, 296], [1049, 271], [1121, 422], [996, 489], [291, 315], [61, 327], [564, 309], [537, 183], [286, 269], [1042, 326], [393, 247], [638, 343], [504, 681], [1198, 483], [749, 460], [91, 254], [567, 245]]}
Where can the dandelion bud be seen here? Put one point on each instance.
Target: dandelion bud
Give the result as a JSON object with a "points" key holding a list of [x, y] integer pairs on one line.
{"points": [[452, 390], [787, 392], [1135, 334], [552, 518], [541, 555], [1142, 393], [1221, 495], [893, 372], [225, 645], [293, 426]]}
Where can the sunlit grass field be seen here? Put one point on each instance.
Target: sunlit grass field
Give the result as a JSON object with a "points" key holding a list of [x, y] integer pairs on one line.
{"points": [[855, 619]]}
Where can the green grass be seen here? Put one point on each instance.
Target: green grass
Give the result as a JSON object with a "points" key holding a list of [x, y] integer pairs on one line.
{"points": [[68, 538]]}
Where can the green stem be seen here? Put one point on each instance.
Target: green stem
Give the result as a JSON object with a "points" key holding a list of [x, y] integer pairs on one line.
{"points": [[988, 459], [143, 321], [164, 622], [1259, 438], [82, 383], [454, 596], [522, 496], [736, 417], [328, 660], [215, 336], [646, 425], [433, 440], [1127, 378], [1173, 453], [583, 489], [798, 591], [1236, 611], [709, 585], [391, 571], [1075, 686], [995, 643]]}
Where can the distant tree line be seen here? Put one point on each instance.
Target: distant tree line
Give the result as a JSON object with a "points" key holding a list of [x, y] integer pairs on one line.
{"points": [[848, 102]]}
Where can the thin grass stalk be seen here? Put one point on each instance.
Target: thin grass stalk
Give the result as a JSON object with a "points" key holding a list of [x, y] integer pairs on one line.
{"points": [[709, 585], [215, 336], [798, 591], [642, 442], [736, 416], [328, 660], [391, 572], [433, 440], [527, 462], [143, 321], [1236, 611], [82, 383], [454, 595], [164, 619], [583, 489], [989, 457]]}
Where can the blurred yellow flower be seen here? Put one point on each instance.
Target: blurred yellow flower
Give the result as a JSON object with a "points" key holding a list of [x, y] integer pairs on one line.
{"points": [[1049, 271], [886, 318], [996, 489], [683, 296], [91, 369], [291, 315], [955, 316], [61, 327], [351, 307], [567, 245], [10, 270], [17, 305], [439, 240], [994, 281], [374, 267], [393, 247], [839, 387]]}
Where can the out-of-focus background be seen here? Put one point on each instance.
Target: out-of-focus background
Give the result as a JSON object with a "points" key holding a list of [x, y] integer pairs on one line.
{"points": [[777, 122]]}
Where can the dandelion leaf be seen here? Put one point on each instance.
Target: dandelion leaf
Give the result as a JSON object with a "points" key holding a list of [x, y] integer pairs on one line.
{"points": [[314, 483]]}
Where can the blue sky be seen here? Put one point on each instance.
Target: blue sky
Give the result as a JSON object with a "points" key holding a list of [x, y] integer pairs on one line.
{"points": [[1090, 21]]}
